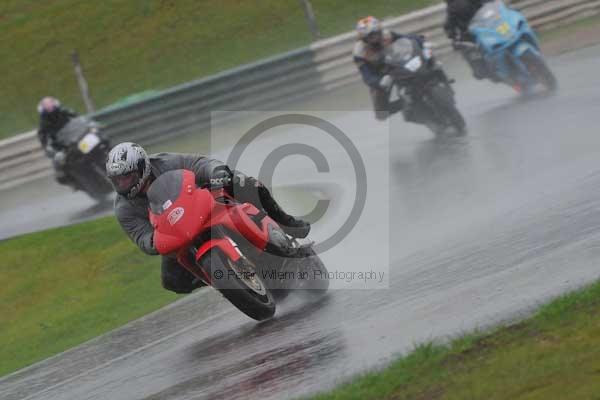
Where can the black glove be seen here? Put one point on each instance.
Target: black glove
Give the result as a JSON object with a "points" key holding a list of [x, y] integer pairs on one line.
{"points": [[221, 178]]}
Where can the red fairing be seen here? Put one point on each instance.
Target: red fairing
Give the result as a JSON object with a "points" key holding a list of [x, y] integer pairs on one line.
{"points": [[248, 228], [226, 245], [195, 211], [185, 219]]}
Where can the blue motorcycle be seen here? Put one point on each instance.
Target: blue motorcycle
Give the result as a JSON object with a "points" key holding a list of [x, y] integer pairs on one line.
{"points": [[510, 48]]}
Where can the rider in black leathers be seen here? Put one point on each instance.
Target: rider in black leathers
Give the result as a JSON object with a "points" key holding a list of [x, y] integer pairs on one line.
{"points": [[368, 55], [131, 171], [53, 117], [459, 15]]}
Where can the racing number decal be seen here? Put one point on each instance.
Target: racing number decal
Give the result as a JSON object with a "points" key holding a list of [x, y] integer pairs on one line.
{"points": [[503, 29]]}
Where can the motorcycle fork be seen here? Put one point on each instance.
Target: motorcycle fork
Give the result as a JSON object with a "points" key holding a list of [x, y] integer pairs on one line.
{"points": [[187, 258], [427, 98], [512, 65]]}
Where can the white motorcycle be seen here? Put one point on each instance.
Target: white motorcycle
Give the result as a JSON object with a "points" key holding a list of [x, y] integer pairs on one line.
{"points": [[83, 156], [421, 80]]}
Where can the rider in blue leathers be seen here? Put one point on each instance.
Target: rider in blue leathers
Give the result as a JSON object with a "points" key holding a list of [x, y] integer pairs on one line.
{"points": [[459, 14]]}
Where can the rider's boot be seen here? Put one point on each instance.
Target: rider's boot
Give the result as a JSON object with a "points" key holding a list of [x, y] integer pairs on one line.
{"points": [[290, 225], [177, 278], [477, 63], [479, 70]]}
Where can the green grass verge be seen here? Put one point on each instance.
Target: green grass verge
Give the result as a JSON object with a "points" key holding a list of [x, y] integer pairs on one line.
{"points": [[135, 45], [64, 286], [553, 355]]}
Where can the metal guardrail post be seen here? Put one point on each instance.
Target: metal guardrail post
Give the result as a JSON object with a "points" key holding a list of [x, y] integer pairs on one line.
{"points": [[311, 19], [83, 85]]}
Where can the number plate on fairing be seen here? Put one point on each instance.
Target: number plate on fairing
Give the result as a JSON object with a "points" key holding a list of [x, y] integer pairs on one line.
{"points": [[88, 142], [504, 29], [414, 64]]}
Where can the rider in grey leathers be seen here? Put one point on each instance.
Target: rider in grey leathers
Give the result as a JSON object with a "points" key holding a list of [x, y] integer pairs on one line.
{"points": [[131, 171]]}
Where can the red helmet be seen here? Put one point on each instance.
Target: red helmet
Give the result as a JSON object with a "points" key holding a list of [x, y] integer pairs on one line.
{"points": [[47, 105]]}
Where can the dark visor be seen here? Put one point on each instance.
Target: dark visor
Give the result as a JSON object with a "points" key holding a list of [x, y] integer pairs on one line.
{"points": [[374, 37], [123, 183]]}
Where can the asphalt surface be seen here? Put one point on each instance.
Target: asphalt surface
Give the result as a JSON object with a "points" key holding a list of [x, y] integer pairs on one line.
{"points": [[479, 229]]}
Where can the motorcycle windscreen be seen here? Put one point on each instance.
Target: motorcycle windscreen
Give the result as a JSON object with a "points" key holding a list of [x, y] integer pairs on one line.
{"points": [[165, 190], [179, 211], [400, 52], [74, 130], [488, 16]]}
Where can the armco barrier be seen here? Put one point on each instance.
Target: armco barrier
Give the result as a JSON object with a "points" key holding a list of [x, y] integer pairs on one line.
{"points": [[266, 84]]}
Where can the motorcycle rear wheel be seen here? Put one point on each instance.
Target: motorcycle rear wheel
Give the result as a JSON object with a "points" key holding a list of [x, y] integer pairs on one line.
{"points": [[303, 273], [317, 281]]}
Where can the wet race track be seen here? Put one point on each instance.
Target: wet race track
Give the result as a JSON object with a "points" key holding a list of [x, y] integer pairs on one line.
{"points": [[481, 228]]}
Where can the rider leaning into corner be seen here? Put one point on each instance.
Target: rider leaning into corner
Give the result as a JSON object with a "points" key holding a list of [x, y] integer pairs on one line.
{"points": [[131, 171], [459, 14], [53, 117], [369, 57]]}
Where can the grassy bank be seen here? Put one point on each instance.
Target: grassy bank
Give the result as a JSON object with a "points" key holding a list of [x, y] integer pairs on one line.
{"points": [[553, 355], [135, 45], [64, 286]]}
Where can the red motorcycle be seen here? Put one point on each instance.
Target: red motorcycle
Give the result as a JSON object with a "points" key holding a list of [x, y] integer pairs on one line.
{"points": [[234, 247]]}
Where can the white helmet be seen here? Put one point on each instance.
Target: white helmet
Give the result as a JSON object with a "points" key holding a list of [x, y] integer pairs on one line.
{"points": [[47, 105], [368, 27], [128, 168]]}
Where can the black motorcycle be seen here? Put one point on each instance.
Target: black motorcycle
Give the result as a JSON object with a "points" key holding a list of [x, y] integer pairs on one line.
{"points": [[421, 81], [83, 156]]}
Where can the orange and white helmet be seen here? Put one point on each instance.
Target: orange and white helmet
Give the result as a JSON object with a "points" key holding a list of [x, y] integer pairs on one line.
{"points": [[368, 26]]}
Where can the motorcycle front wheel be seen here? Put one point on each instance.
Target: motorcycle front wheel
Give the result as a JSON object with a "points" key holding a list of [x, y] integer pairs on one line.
{"points": [[538, 68], [443, 99], [240, 283], [90, 174]]}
